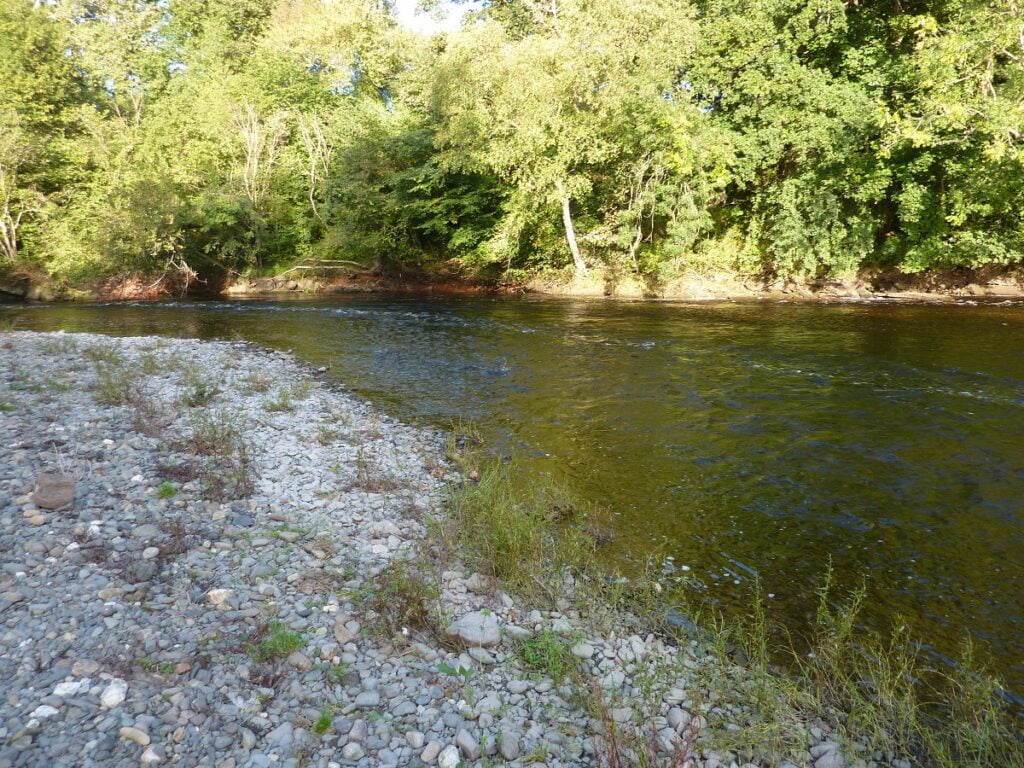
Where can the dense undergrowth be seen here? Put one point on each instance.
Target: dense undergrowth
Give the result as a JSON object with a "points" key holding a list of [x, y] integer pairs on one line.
{"points": [[877, 692]]}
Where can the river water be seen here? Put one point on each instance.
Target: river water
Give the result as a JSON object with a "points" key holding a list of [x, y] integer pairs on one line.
{"points": [[740, 440]]}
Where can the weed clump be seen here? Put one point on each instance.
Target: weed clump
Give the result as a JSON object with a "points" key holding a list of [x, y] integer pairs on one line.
{"points": [[322, 724], [166, 490], [199, 392], [877, 691], [372, 476], [273, 641], [115, 384], [220, 456], [528, 536], [550, 654], [881, 698], [280, 402], [401, 599]]}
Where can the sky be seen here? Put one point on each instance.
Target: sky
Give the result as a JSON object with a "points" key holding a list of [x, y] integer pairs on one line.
{"points": [[420, 22]]}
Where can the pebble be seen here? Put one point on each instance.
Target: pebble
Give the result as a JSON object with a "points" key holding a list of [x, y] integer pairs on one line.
{"points": [[137, 735], [467, 745], [509, 745], [477, 628], [414, 739], [449, 757], [114, 694], [352, 751], [583, 650], [431, 751]]}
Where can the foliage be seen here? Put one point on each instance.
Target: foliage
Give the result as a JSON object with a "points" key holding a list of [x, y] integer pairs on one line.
{"points": [[768, 137]]}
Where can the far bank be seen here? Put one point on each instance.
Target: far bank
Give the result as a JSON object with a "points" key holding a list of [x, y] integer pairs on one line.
{"points": [[991, 282]]}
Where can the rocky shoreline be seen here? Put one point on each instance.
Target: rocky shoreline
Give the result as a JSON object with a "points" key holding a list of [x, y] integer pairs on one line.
{"points": [[209, 592]]}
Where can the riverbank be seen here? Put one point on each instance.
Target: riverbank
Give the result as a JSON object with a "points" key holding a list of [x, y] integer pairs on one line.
{"points": [[869, 285], [963, 284], [221, 585], [255, 568]]}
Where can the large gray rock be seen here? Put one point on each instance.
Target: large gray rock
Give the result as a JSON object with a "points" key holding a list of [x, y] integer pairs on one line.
{"points": [[467, 745], [509, 745], [54, 490], [477, 629]]}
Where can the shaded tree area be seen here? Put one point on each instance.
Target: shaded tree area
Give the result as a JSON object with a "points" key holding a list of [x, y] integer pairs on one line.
{"points": [[645, 137]]}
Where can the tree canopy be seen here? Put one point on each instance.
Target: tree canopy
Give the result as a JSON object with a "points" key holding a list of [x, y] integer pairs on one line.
{"points": [[652, 137]]}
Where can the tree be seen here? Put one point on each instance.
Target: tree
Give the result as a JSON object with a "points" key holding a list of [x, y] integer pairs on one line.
{"points": [[41, 91], [19, 201], [552, 110]]}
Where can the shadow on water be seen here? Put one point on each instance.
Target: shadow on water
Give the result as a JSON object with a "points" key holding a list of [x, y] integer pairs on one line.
{"points": [[742, 440]]}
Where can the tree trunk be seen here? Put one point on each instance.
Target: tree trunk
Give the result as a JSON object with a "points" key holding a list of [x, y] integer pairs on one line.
{"points": [[570, 235]]}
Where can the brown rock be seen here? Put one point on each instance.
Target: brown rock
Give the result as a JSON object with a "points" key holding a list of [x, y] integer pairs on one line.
{"points": [[54, 490]]}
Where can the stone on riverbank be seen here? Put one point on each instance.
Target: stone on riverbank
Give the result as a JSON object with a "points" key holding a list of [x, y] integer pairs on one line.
{"points": [[477, 629], [54, 490]]}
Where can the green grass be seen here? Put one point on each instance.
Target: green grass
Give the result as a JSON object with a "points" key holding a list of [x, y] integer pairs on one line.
{"points": [[199, 393], [100, 353], [6, 407], [166, 491], [221, 455], [280, 402], [549, 654], [256, 382], [115, 384], [152, 665], [322, 724], [275, 641], [527, 534], [875, 689]]}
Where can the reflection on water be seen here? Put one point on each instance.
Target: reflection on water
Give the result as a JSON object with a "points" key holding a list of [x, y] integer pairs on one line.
{"points": [[743, 440]]}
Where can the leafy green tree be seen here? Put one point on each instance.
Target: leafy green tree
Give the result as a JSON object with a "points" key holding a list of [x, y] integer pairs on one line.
{"points": [[556, 109], [41, 90]]}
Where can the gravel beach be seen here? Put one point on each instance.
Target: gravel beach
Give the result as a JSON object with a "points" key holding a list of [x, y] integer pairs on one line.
{"points": [[191, 533]]}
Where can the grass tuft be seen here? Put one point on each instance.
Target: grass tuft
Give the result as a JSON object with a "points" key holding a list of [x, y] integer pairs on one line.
{"points": [[198, 391], [550, 654], [166, 491], [272, 642], [115, 384], [322, 724], [220, 456], [402, 598]]}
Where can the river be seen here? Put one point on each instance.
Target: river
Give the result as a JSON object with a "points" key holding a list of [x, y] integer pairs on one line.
{"points": [[737, 440]]}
